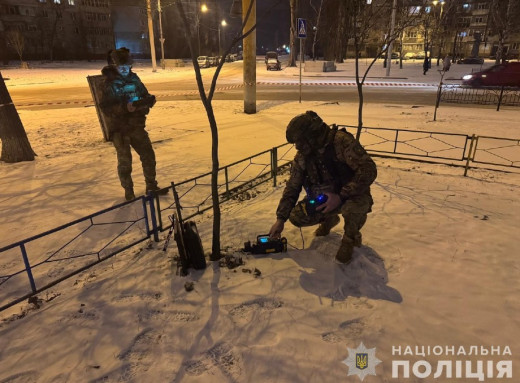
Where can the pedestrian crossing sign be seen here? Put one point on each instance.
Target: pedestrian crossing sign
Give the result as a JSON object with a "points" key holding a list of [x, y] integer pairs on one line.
{"points": [[302, 28]]}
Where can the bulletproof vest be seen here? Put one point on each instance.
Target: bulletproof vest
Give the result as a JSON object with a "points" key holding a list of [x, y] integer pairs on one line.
{"points": [[324, 171]]}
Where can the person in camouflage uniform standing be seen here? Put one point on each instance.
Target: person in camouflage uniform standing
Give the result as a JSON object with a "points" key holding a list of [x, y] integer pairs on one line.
{"points": [[333, 163], [126, 102]]}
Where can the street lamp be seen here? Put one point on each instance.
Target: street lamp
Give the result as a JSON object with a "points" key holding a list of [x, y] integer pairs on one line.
{"points": [[161, 39], [223, 24], [203, 9], [439, 26]]}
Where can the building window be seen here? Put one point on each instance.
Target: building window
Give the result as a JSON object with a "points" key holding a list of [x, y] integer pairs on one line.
{"points": [[479, 20], [411, 34], [482, 6], [465, 6], [414, 10], [71, 2], [57, 1]]}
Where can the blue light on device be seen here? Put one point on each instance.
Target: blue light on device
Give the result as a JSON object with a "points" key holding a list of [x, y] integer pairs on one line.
{"points": [[263, 239]]}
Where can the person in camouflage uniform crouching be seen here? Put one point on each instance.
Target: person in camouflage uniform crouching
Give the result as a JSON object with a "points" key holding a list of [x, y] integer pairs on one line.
{"points": [[329, 162], [126, 102]]}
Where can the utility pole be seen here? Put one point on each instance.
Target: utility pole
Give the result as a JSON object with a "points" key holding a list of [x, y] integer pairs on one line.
{"points": [[391, 46], [150, 35], [249, 57], [161, 39]]}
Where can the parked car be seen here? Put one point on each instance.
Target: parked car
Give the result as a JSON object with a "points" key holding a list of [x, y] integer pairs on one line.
{"points": [[420, 55], [471, 60], [213, 61], [395, 55], [498, 75], [271, 55], [409, 56], [203, 61], [273, 64]]}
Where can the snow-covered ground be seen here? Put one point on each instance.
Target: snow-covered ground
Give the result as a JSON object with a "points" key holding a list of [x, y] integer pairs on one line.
{"points": [[439, 264]]}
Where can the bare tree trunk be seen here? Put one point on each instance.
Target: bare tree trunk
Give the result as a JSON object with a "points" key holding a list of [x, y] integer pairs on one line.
{"points": [[15, 144], [207, 102], [317, 26], [359, 86], [500, 49], [292, 37], [53, 36]]}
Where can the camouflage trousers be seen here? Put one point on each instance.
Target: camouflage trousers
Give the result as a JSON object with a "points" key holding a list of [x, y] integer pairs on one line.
{"points": [[139, 140], [354, 212]]}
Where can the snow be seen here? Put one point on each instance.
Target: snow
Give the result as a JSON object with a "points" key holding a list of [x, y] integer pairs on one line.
{"points": [[439, 265]]}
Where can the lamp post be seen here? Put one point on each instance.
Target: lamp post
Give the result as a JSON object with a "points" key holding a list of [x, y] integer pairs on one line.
{"points": [[438, 26], [223, 24], [203, 9], [150, 35], [161, 39], [391, 45]]}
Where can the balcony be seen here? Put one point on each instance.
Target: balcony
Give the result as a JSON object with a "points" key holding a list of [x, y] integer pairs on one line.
{"points": [[480, 12]]}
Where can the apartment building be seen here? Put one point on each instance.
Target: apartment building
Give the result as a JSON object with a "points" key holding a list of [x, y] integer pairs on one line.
{"points": [[463, 28], [56, 29]]}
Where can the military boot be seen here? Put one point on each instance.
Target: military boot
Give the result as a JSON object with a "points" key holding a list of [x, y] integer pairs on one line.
{"points": [[344, 254], [155, 189], [327, 225], [129, 194]]}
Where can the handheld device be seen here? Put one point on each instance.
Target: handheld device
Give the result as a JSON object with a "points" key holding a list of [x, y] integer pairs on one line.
{"points": [[312, 203], [266, 245]]}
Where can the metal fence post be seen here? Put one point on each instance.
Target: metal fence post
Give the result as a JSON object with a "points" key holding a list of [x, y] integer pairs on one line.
{"points": [[274, 164], [28, 267], [153, 218], [500, 98], [437, 102], [469, 158], [226, 175]]}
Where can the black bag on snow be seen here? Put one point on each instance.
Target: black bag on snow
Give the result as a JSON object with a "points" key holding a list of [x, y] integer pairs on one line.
{"points": [[193, 246]]}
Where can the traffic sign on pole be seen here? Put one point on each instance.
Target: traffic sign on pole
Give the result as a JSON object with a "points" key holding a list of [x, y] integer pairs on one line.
{"points": [[302, 28]]}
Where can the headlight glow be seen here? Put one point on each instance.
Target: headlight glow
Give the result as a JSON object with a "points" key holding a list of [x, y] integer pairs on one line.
{"points": [[467, 77]]}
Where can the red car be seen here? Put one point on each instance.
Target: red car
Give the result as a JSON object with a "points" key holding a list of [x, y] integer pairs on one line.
{"points": [[498, 75]]}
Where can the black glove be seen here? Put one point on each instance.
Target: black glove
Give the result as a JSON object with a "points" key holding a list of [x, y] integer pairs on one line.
{"points": [[146, 102]]}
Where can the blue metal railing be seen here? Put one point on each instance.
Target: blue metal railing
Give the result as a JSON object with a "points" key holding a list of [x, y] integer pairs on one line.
{"points": [[57, 254], [32, 261]]}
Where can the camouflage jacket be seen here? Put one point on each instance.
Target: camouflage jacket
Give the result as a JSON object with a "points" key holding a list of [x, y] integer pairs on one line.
{"points": [[118, 91], [342, 166]]}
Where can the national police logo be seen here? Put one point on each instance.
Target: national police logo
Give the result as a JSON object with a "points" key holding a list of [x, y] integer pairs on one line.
{"points": [[361, 361]]}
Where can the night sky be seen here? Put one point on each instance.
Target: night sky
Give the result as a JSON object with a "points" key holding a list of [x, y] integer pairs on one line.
{"points": [[273, 19]]}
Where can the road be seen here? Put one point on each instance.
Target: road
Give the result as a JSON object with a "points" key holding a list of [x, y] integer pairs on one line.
{"points": [[229, 87]]}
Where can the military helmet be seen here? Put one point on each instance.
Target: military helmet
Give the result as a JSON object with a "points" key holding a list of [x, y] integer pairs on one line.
{"points": [[119, 56], [307, 125]]}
